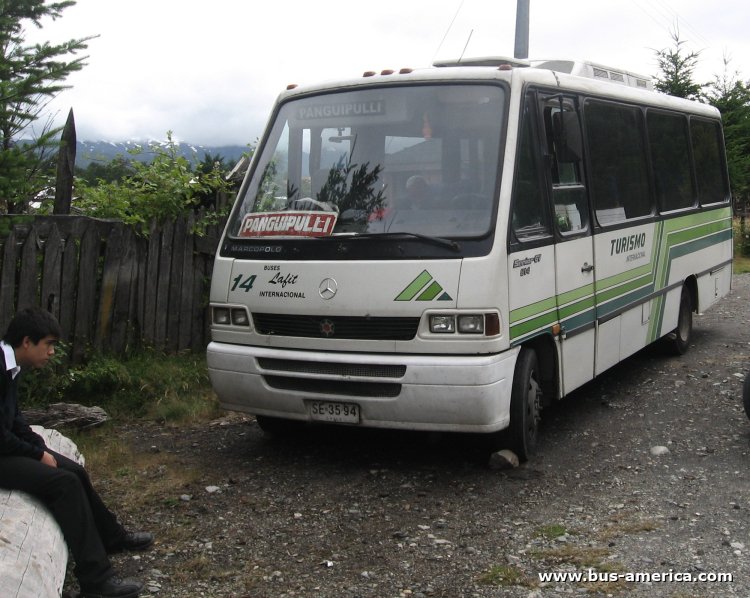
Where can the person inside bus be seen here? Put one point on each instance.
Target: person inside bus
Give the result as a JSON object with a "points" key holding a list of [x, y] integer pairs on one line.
{"points": [[416, 197], [90, 529], [418, 193]]}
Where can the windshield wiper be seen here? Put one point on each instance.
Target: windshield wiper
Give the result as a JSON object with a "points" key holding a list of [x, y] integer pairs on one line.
{"points": [[440, 241]]}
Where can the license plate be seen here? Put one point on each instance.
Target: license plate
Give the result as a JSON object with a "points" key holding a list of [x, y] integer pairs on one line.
{"points": [[340, 413]]}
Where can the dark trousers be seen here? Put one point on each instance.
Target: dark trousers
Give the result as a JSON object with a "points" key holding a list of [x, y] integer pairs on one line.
{"points": [[86, 523]]}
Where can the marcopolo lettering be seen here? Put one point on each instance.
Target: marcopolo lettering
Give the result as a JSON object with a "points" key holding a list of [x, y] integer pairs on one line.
{"points": [[629, 243], [371, 108]]}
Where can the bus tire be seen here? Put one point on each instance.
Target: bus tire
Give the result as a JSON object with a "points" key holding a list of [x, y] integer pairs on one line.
{"points": [[679, 339], [525, 405], [746, 395]]}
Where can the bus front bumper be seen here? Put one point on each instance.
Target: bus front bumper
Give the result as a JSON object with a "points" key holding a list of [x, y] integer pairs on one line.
{"points": [[451, 393]]}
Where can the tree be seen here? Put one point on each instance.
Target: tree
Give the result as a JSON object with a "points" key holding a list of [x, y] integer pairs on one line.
{"points": [[676, 70], [732, 97], [30, 76], [164, 188], [98, 171]]}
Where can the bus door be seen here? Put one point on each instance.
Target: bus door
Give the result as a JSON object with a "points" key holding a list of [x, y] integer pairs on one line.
{"points": [[574, 251]]}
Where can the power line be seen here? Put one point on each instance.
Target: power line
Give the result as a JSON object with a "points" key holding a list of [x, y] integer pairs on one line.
{"points": [[447, 31]]}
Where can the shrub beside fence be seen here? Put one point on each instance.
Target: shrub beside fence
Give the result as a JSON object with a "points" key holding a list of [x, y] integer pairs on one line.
{"points": [[111, 290]]}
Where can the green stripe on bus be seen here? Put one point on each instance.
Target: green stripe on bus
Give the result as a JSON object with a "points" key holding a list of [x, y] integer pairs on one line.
{"points": [[645, 281], [571, 310], [539, 323], [414, 287], [624, 276], [681, 236], [431, 292], [532, 309], [673, 238]]}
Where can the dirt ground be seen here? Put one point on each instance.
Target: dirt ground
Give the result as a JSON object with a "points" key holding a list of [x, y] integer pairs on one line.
{"points": [[359, 513]]}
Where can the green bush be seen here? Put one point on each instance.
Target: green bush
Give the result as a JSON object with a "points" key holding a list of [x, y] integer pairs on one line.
{"points": [[146, 384]]}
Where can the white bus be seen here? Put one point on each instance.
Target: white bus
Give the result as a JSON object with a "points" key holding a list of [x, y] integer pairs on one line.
{"points": [[453, 248]]}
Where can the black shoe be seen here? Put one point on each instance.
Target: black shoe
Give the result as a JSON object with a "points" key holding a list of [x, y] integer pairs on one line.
{"points": [[114, 587], [132, 541]]}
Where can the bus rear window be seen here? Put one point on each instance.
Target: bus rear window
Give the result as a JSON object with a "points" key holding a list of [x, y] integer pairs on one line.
{"points": [[710, 172]]}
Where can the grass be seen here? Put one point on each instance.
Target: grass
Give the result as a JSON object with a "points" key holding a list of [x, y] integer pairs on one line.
{"points": [[552, 531], [171, 390], [741, 264], [148, 384], [623, 524], [506, 575], [135, 478]]}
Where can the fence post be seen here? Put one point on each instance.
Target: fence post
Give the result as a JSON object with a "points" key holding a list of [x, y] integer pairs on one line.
{"points": [[8, 281], [188, 292], [28, 280], [86, 302], [53, 247]]}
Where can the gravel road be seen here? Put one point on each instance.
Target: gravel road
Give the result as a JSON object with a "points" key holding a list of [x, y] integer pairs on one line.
{"points": [[359, 513]]}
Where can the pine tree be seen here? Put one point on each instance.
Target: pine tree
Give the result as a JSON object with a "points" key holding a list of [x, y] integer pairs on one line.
{"points": [[732, 97], [30, 76], [677, 67]]}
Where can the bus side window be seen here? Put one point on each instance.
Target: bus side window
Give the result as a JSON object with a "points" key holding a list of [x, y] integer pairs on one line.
{"points": [[670, 160], [563, 147], [617, 159], [529, 218], [710, 171]]}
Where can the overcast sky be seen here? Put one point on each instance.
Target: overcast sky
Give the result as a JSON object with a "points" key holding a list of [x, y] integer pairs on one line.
{"points": [[210, 71]]}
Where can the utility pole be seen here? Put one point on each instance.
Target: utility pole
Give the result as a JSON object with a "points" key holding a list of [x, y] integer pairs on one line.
{"points": [[522, 29]]}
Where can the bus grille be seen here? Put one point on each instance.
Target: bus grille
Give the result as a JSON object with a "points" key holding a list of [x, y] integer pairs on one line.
{"points": [[332, 369], [334, 387], [337, 327]]}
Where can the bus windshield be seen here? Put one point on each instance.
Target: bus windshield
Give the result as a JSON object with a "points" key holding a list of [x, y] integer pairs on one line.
{"points": [[417, 160]]}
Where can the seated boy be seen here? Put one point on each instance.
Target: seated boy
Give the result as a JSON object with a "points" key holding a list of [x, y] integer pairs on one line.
{"points": [[90, 529]]}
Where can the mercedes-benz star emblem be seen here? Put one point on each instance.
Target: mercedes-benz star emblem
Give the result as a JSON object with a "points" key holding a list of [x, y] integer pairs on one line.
{"points": [[328, 288]]}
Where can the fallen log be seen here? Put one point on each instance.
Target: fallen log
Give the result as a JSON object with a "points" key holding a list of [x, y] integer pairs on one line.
{"points": [[67, 415]]}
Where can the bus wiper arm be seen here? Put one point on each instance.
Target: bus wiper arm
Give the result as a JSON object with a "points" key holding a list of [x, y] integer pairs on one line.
{"points": [[440, 241]]}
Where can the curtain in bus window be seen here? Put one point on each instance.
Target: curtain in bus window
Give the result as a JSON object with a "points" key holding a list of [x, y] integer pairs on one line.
{"points": [[619, 173], [529, 217], [670, 160], [709, 166]]}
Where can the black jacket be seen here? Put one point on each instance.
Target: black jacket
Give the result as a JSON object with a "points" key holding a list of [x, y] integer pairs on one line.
{"points": [[17, 439]]}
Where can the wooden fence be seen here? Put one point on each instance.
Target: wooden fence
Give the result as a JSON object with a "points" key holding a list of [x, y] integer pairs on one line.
{"points": [[111, 289]]}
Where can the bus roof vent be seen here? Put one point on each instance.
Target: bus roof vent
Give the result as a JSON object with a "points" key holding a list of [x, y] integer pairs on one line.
{"points": [[595, 71], [494, 61]]}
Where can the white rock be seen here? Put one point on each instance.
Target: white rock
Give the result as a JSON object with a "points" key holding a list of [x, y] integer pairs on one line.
{"points": [[657, 451], [505, 459]]}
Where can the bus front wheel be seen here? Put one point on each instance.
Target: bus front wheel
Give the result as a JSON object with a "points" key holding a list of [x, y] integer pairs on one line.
{"points": [[525, 405], [679, 338]]}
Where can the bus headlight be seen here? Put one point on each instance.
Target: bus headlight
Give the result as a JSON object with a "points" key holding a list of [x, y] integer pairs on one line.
{"points": [[240, 317], [221, 316], [440, 324], [487, 324], [471, 324], [226, 316]]}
